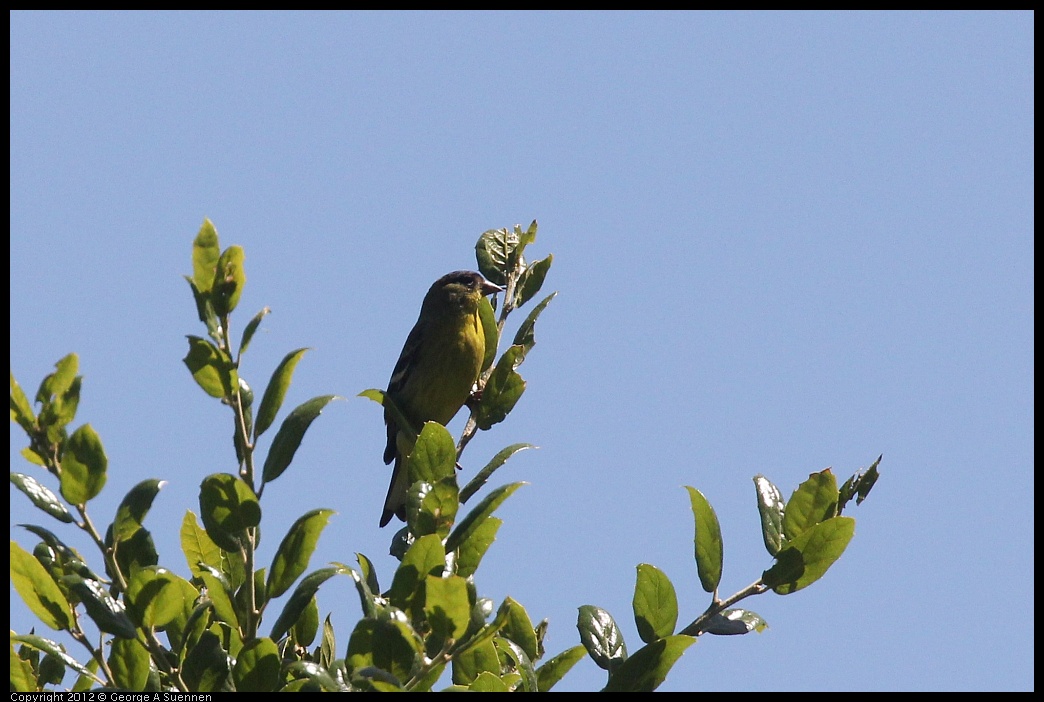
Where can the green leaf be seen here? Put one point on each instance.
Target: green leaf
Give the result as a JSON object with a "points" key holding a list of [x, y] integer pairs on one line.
{"points": [[425, 557], [770, 507], [555, 669], [328, 644], [129, 663], [475, 517], [211, 368], [228, 507], [814, 501], [108, 614], [502, 390], [206, 665], [488, 682], [655, 604], [154, 597], [735, 621], [135, 551], [201, 549], [251, 327], [41, 497], [229, 280], [483, 475], [708, 544], [369, 573], [524, 337], [805, 559], [519, 628], [492, 251], [515, 659], [302, 595], [648, 667], [276, 391], [446, 609], [52, 648], [475, 661], [295, 551], [434, 456], [307, 624], [475, 544], [388, 644], [21, 410], [83, 466], [257, 666], [601, 637], [221, 595], [135, 505], [858, 485], [431, 509], [39, 592], [489, 330], [317, 678], [23, 679], [531, 280], [60, 381], [291, 432], [205, 255]]}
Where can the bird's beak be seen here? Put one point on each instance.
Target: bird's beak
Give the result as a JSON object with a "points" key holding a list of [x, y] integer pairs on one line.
{"points": [[489, 288]]}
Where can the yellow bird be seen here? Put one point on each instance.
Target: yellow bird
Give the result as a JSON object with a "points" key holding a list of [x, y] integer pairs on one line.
{"points": [[436, 371]]}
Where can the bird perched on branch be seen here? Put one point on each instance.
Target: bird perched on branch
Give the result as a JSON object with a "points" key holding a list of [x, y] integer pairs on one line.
{"points": [[436, 371]]}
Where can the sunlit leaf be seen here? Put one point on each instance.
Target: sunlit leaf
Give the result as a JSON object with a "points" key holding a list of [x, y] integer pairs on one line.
{"points": [[655, 603]]}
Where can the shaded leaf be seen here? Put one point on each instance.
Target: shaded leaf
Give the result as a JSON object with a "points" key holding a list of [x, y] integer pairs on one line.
{"points": [[424, 557], [525, 336], [135, 505], [228, 507], [83, 466], [708, 544], [39, 592], [474, 546], [476, 516], [251, 328], [483, 475], [301, 597], [257, 666], [229, 280], [489, 330], [446, 608], [532, 280], [503, 389], [805, 559], [276, 391], [129, 663], [210, 367], [295, 551], [648, 667], [291, 432], [206, 665]]}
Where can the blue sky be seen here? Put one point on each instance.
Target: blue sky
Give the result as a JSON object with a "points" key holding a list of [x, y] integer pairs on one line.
{"points": [[781, 242]]}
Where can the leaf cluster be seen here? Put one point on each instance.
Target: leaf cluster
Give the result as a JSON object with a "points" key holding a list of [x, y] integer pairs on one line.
{"points": [[146, 628]]}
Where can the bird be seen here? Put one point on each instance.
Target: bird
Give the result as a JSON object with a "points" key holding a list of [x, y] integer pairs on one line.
{"points": [[436, 371]]}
